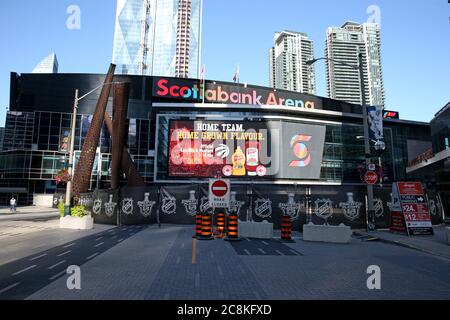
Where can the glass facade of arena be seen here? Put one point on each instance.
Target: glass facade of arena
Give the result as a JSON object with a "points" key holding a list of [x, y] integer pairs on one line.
{"points": [[342, 153]]}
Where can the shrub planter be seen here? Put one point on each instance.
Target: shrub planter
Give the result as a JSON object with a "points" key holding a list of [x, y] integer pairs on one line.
{"points": [[324, 233], [77, 223]]}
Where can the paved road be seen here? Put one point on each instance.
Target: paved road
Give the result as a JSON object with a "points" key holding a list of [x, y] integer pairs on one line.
{"points": [[156, 263], [23, 277]]}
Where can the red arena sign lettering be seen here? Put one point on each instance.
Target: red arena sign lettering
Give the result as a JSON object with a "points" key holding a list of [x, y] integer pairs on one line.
{"points": [[225, 93], [175, 90]]}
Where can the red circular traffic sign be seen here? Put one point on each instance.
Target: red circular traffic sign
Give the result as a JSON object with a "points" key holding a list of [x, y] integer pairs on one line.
{"points": [[219, 188], [371, 177]]}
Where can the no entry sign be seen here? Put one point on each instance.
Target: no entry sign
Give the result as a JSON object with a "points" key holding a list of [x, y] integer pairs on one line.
{"points": [[219, 193], [371, 177]]}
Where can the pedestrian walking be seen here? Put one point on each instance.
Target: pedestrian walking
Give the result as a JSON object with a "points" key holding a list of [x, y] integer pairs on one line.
{"points": [[13, 204]]}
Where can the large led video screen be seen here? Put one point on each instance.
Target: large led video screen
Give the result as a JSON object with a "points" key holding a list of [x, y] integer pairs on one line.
{"points": [[245, 149]]}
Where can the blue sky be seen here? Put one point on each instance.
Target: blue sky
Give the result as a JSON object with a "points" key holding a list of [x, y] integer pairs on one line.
{"points": [[415, 42]]}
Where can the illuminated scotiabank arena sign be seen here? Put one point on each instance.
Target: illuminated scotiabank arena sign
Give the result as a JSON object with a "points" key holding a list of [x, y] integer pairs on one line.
{"points": [[226, 93]]}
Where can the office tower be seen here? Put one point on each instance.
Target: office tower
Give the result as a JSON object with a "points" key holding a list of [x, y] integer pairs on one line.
{"points": [[287, 62], [158, 37], [2, 134], [48, 65], [272, 69], [343, 45]]}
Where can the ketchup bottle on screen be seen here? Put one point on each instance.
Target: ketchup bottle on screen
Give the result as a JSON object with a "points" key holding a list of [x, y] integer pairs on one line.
{"points": [[251, 157]]}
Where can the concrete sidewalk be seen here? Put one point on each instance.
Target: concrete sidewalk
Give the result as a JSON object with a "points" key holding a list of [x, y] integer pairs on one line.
{"points": [[436, 244], [26, 213]]}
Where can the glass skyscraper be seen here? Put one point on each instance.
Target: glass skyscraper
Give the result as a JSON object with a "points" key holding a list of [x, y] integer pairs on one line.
{"points": [[48, 65], [158, 37], [343, 45]]}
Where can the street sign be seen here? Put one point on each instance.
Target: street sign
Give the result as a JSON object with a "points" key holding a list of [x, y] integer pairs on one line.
{"points": [[370, 177], [219, 193], [371, 167], [413, 215]]}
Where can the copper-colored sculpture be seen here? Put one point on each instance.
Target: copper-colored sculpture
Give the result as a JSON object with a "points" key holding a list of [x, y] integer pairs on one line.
{"points": [[83, 170], [134, 179], [120, 109]]}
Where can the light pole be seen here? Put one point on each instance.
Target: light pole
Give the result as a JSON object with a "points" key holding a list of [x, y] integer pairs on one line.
{"points": [[72, 145], [379, 146], [360, 68]]}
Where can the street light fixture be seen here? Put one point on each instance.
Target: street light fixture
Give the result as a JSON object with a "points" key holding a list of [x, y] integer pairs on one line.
{"points": [[360, 68], [72, 144]]}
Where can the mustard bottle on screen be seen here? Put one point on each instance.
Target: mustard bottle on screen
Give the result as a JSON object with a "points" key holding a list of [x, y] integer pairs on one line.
{"points": [[239, 162]]}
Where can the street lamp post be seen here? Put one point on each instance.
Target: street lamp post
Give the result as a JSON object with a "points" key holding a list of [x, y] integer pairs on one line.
{"points": [[72, 145], [360, 68], [71, 151]]}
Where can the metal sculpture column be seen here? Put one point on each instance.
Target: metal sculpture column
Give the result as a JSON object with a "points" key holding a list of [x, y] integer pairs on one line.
{"points": [[83, 170], [120, 109], [134, 179]]}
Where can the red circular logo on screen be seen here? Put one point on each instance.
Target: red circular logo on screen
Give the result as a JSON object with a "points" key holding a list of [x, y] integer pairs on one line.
{"points": [[227, 171], [261, 171]]}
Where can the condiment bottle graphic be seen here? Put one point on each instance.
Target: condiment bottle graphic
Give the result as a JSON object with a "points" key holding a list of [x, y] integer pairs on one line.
{"points": [[239, 162], [251, 157]]}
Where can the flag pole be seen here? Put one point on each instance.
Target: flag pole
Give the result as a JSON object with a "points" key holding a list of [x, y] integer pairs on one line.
{"points": [[238, 75], [203, 85]]}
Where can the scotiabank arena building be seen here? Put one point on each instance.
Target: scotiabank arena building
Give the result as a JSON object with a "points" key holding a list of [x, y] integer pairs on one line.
{"points": [[276, 147]]}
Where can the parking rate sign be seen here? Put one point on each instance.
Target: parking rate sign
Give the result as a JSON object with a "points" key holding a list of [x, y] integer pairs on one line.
{"points": [[219, 193], [415, 209]]}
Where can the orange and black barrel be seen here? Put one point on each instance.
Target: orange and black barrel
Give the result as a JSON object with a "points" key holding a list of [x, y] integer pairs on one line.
{"points": [[220, 224], [286, 228], [198, 225], [206, 233], [232, 228]]}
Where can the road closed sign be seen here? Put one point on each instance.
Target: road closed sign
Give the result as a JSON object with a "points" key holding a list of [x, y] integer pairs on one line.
{"points": [[219, 193]]}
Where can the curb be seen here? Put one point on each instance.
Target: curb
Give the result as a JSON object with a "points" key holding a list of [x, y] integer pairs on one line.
{"points": [[401, 244]]}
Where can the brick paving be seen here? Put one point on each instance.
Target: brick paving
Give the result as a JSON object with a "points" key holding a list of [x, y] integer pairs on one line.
{"points": [[156, 264]]}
